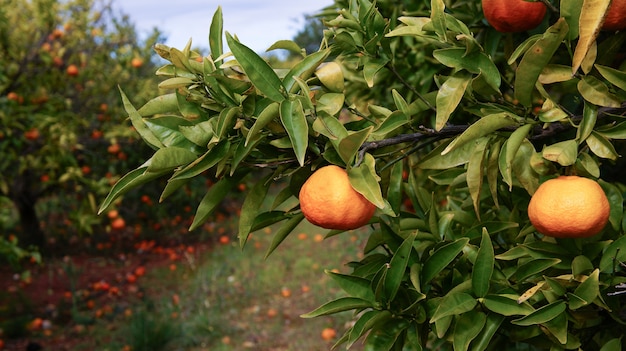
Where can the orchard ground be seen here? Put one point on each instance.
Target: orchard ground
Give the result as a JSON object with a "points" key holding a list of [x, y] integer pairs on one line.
{"points": [[197, 291]]}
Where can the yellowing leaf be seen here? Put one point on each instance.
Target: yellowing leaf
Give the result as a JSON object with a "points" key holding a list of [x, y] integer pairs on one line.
{"points": [[591, 19]]}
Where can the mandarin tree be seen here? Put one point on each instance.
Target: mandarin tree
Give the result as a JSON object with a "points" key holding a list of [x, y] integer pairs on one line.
{"points": [[60, 63], [448, 127]]}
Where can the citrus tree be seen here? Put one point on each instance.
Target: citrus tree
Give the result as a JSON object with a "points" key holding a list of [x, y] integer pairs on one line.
{"points": [[448, 126], [60, 120]]}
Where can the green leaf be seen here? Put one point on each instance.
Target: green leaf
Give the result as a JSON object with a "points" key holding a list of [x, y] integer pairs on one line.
{"points": [[438, 19], [282, 233], [449, 96], [266, 116], [338, 305], [512, 146], [475, 62], [613, 255], [216, 34], [466, 329], [534, 267], [483, 266], [458, 156], [557, 326], [129, 181], [199, 134], [226, 122], [596, 92], [535, 59], [168, 158], [492, 325], [330, 75], [167, 130], [570, 10], [482, 127], [564, 152], [454, 303], [398, 267], [476, 172], [176, 82], [349, 145], [590, 115], [385, 337], [612, 345], [587, 291], [293, 119], [506, 306], [204, 162], [214, 197], [365, 181], [260, 73], [139, 124], [366, 322], [542, 315], [251, 208], [394, 190], [601, 146], [167, 103], [441, 258], [614, 76], [304, 69], [353, 285]]}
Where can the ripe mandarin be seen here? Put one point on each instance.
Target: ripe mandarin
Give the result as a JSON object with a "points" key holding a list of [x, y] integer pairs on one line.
{"points": [[616, 16], [569, 207], [513, 15], [328, 200]]}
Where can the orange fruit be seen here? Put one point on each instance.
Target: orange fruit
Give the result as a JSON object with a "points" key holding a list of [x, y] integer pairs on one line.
{"points": [[328, 200], [569, 207], [513, 15], [136, 62], [72, 70], [118, 223], [328, 334], [616, 16]]}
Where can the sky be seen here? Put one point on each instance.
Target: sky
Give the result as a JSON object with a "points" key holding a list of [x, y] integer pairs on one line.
{"points": [[257, 23]]}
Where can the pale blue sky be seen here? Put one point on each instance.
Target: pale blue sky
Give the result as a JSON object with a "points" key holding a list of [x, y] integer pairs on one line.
{"points": [[257, 24]]}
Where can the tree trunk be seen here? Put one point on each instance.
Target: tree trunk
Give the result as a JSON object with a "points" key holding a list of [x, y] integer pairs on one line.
{"points": [[31, 231]]}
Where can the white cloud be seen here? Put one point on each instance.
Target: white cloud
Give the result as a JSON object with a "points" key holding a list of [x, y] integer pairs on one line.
{"points": [[257, 24]]}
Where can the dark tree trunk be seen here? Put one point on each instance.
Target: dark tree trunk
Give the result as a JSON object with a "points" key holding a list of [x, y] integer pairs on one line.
{"points": [[24, 196]]}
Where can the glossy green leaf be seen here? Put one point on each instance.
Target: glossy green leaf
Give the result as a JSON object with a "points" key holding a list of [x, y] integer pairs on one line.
{"points": [[596, 92], [601, 146], [338, 305], [251, 208], [139, 124], [199, 134], [330, 127], [260, 73], [476, 172], [534, 267], [350, 144], [492, 325], [467, 327], [476, 62], [129, 181], [617, 131], [204, 162], [269, 113], [293, 119], [331, 103], [304, 69], [394, 190], [557, 326], [458, 156], [553, 73], [365, 323], [564, 152], [612, 345], [438, 19], [216, 34], [449, 96], [176, 82], [398, 267], [167, 130], [483, 266], [353, 285], [590, 21], [482, 127], [590, 116], [535, 59], [506, 305], [161, 104], [365, 181], [587, 291], [441, 258], [166, 159], [570, 10], [454, 303], [384, 338], [616, 201], [213, 198], [542, 315], [282, 232], [512, 146], [614, 76], [613, 255]]}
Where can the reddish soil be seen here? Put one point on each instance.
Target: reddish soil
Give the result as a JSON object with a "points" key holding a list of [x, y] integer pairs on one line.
{"points": [[39, 308]]}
